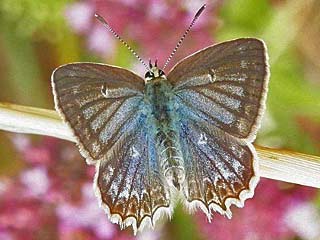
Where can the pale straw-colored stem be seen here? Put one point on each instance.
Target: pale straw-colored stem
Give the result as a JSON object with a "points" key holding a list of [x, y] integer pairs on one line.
{"points": [[23, 119], [276, 164], [289, 166]]}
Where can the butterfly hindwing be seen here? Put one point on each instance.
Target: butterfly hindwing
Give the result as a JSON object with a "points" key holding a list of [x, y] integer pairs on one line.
{"points": [[220, 169], [99, 102], [129, 182], [226, 85]]}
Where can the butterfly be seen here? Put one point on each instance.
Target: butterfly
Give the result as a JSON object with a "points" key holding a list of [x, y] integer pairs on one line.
{"points": [[188, 132]]}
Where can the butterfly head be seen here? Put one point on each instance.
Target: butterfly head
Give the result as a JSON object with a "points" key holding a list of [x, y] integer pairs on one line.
{"points": [[154, 72]]}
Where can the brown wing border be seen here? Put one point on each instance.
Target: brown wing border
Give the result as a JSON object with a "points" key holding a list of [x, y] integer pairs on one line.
{"points": [[147, 221], [262, 103], [242, 197], [85, 153]]}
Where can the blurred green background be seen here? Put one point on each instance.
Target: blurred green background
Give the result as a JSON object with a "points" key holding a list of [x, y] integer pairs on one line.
{"points": [[35, 38]]}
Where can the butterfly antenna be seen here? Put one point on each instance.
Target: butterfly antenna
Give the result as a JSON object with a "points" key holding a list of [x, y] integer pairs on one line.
{"points": [[185, 34], [104, 23]]}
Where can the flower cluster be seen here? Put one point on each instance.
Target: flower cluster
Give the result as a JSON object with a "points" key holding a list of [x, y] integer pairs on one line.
{"points": [[271, 214], [52, 197], [155, 25]]}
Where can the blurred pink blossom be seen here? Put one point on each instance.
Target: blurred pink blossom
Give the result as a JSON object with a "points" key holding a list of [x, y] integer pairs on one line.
{"points": [[36, 181], [304, 219], [87, 214], [101, 41], [263, 217], [23, 216], [41, 153], [79, 17], [21, 141], [52, 197], [55, 197], [155, 26], [5, 235]]}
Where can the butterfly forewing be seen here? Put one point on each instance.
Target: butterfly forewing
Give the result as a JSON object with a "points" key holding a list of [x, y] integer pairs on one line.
{"points": [[99, 102], [226, 85]]}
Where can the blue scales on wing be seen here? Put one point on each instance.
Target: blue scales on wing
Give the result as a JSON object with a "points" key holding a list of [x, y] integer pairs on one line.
{"points": [[98, 102], [220, 93], [227, 83], [220, 169], [103, 105], [130, 183]]}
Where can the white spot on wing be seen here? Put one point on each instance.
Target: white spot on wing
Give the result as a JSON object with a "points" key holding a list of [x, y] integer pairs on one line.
{"points": [[116, 92], [203, 139], [133, 152], [244, 64]]}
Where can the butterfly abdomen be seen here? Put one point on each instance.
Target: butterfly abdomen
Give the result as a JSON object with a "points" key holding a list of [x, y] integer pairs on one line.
{"points": [[159, 97]]}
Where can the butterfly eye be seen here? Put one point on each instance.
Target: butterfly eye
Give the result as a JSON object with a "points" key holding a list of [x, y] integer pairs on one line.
{"points": [[161, 73], [149, 75]]}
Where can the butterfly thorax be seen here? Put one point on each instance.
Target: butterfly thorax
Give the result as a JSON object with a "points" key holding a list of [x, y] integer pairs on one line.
{"points": [[162, 115]]}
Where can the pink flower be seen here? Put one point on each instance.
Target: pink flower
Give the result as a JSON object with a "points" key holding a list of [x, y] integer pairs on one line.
{"points": [[155, 26], [85, 214], [36, 181], [41, 153], [101, 41], [53, 197], [262, 217], [22, 217], [79, 16], [304, 219], [4, 235]]}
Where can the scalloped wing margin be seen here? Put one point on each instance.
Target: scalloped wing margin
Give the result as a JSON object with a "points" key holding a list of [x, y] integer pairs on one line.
{"points": [[129, 183], [220, 170]]}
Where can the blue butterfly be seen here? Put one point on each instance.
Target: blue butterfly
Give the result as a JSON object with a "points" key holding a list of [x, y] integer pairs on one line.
{"points": [[186, 133]]}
